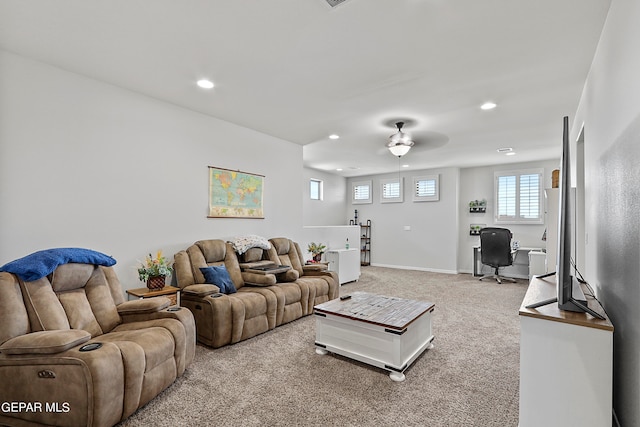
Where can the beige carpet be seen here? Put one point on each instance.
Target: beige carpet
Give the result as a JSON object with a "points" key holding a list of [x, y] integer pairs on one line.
{"points": [[470, 378]]}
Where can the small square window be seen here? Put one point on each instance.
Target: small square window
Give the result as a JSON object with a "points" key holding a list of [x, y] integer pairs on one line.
{"points": [[361, 192], [426, 188], [391, 190]]}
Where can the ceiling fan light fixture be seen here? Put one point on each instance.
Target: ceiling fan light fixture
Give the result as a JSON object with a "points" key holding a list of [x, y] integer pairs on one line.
{"points": [[399, 150], [400, 142]]}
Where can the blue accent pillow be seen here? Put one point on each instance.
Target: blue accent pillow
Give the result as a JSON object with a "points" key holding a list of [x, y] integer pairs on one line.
{"points": [[219, 276], [42, 263]]}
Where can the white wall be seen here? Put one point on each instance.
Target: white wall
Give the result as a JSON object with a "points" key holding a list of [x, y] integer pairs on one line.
{"points": [[610, 112], [87, 164], [332, 236], [331, 210], [431, 243], [477, 184]]}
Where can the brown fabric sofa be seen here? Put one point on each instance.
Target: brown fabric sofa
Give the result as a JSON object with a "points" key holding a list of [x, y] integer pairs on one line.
{"points": [[46, 326], [262, 301]]}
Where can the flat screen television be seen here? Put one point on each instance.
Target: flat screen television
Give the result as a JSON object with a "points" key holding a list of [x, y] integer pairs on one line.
{"points": [[569, 292]]}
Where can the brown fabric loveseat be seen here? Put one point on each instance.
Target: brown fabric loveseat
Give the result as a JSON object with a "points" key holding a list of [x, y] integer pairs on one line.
{"points": [[262, 301], [50, 372]]}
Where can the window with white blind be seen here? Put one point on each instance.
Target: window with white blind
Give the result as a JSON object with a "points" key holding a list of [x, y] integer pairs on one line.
{"points": [[426, 188], [391, 190], [315, 189], [518, 197], [361, 192]]}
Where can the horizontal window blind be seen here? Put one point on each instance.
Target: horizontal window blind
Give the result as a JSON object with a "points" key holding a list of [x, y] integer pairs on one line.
{"points": [[426, 188], [391, 190], [518, 197], [529, 196], [507, 197], [361, 192]]}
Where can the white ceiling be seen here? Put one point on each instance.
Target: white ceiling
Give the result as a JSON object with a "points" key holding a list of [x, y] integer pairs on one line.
{"points": [[301, 70]]}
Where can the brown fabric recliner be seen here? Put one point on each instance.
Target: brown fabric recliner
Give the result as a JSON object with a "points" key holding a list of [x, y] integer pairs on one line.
{"points": [[323, 285], [46, 326], [225, 319]]}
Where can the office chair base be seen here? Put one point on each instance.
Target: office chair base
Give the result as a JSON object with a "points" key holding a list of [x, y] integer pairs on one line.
{"points": [[498, 278]]}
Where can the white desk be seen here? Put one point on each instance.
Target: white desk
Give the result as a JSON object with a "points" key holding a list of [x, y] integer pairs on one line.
{"points": [[519, 269]]}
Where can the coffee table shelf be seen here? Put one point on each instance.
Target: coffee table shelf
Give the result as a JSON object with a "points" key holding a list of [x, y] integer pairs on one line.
{"points": [[386, 332]]}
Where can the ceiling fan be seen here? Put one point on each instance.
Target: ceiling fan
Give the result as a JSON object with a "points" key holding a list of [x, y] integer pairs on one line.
{"points": [[400, 142]]}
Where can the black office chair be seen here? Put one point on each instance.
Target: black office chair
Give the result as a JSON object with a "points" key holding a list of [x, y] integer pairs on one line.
{"points": [[495, 248]]}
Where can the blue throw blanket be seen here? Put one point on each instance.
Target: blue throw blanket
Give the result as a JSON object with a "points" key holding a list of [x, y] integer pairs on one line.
{"points": [[41, 263]]}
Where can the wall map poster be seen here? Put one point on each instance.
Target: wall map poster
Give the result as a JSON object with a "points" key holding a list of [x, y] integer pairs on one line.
{"points": [[235, 194]]}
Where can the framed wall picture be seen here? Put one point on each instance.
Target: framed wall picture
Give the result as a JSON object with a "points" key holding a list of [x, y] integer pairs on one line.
{"points": [[235, 194]]}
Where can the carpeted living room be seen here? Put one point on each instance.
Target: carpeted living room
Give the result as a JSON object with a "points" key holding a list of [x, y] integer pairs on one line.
{"points": [[121, 123], [469, 378]]}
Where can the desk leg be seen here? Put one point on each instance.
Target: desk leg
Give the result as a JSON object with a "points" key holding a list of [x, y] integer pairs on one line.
{"points": [[475, 262]]}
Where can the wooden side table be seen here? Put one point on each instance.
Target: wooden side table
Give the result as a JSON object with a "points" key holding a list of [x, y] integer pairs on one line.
{"points": [[170, 292]]}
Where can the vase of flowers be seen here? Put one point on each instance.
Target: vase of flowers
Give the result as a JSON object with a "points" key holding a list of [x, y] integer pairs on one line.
{"points": [[316, 250], [154, 271]]}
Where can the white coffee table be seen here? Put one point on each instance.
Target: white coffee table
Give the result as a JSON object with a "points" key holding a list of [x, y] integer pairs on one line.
{"points": [[386, 332]]}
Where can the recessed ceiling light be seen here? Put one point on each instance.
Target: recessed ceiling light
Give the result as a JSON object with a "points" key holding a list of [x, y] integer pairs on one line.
{"points": [[405, 166], [205, 84], [504, 150], [488, 106], [511, 153], [334, 136], [339, 169]]}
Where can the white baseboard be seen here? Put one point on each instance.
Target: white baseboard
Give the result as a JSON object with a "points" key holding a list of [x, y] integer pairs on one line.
{"points": [[407, 267]]}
